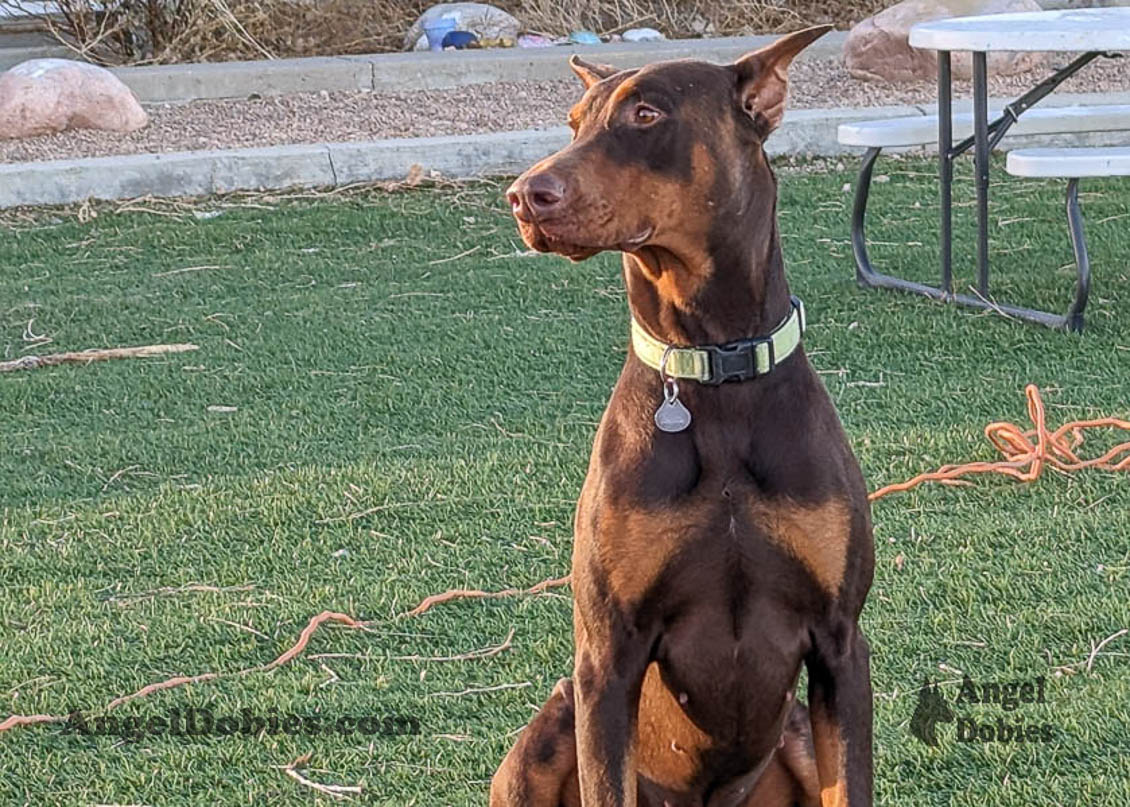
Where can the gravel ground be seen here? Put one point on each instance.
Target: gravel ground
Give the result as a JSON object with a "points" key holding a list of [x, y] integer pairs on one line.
{"points": [[344, 116]]}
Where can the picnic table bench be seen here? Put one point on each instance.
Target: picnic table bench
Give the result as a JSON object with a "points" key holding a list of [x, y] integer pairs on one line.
{"points": [[1095, 32], [1073, 164]]}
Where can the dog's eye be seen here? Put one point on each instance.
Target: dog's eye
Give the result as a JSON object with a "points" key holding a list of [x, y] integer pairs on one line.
{"points": [[644, 115]]}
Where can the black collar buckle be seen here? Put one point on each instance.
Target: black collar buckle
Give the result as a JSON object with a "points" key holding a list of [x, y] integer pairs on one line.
{"points": [[737, 361]]}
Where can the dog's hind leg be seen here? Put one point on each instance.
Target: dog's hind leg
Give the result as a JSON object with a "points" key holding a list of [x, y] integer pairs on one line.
{"points": [[839, 699], [541, 768], [791, 779]]}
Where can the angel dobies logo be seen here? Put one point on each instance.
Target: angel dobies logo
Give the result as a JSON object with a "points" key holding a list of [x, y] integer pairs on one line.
{"points": [[968, 712], [932, 709]]}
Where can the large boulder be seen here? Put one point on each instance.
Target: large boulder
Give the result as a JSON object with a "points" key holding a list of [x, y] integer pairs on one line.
{"points": [[483, 20], [44, 96], [878, 48]]}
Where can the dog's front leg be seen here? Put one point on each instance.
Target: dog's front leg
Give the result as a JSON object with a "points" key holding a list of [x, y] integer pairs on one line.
{"points": [[839, 701], [611, 660]]}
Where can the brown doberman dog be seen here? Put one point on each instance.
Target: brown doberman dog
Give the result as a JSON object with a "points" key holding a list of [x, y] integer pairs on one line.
{"points": [[723, 535]]}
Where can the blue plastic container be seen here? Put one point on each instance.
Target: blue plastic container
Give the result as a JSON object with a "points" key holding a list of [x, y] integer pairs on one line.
{"points": [[460, 40], [435, 30]]}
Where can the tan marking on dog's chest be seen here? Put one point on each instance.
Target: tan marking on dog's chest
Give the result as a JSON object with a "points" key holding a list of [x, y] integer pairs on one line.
{"points": [[636, 547], [670, 745], [631, 544], [816, 535]]}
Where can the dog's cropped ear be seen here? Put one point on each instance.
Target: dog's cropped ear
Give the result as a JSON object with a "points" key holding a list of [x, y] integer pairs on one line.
{"points": [[590, 73], [762, 77]]}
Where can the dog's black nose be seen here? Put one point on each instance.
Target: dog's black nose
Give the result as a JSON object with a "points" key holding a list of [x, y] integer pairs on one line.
{"points": [[537, 196]]}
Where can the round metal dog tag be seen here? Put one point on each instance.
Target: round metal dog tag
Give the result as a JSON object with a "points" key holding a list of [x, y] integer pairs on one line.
{"points": [[672, 416]]}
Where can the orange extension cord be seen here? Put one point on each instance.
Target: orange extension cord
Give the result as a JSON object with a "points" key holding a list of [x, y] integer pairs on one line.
{"points": [[1026, 454], [1025, 460]]}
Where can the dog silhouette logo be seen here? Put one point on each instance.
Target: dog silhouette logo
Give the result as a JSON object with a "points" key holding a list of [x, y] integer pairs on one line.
{"points": [[930, 710]]}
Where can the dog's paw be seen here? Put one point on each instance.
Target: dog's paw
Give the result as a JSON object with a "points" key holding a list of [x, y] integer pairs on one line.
{"points": [[564, 689]]}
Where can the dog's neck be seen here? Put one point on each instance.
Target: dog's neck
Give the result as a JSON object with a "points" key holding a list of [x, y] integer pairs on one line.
{"points": [[731, 286]]}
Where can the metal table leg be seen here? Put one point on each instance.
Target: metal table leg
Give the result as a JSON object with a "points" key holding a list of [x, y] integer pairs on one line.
{"points": [[981, 165], [1074, 319], [985, 138], [865, 273], [945, 167]]}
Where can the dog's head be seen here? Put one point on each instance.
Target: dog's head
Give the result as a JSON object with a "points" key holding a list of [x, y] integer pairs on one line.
{"points": [[657, 153]]}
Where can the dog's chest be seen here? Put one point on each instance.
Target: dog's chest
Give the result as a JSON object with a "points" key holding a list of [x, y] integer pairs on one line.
{"points": [[657, 510], [725, 541]]}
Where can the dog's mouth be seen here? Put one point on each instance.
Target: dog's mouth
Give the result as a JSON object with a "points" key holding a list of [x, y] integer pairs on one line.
{"points": [[638, 240], [557, 236]]}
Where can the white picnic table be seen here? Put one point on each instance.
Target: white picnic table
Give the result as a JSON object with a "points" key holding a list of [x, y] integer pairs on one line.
{"points": [[1085, 29], [1089, 32]]}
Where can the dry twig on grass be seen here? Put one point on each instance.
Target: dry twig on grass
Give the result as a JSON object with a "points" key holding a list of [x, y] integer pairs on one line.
{"points": [[486, 652], [1089, 662], [336, 791], [475, 594], [87, 356], [1101, 645], [479, 690], [187, 588], [168, 683], [12, 721]]}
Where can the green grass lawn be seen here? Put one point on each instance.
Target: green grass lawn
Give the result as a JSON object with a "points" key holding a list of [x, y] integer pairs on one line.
{"points": [[414, 401]]}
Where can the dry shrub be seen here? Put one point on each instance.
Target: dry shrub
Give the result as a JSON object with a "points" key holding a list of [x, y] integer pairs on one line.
{"points": [[116, 32], [322, 27], [687, 18], [172, 31], [153, 31]]}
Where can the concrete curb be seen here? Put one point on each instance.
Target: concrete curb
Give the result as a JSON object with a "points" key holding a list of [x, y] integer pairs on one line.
{"points": [[201, 173], [805, 132], [10, 57], [422, 70], [195, 82], [386, 72], [186, 173], [457, 157]]}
